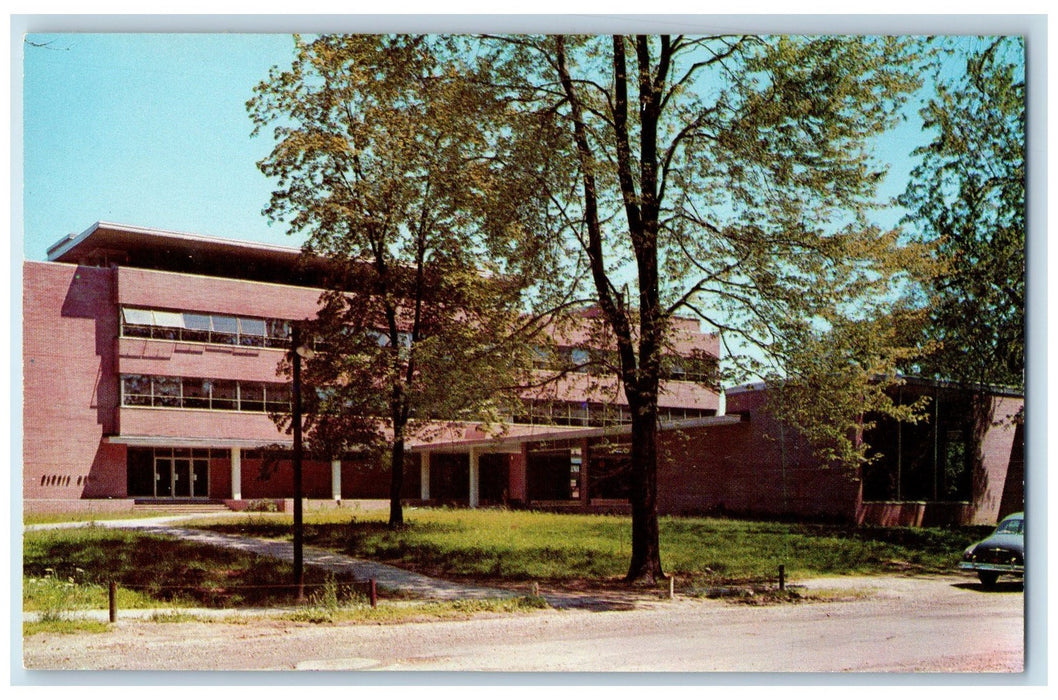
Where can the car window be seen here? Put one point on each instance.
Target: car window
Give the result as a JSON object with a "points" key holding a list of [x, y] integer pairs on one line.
{"points": [[1011, 527]]}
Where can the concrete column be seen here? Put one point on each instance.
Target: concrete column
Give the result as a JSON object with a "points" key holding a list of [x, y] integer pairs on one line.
{"points": [[336, 479], [585, 461], [236, 473], [424, 478], [474, 480], [519, 474]]}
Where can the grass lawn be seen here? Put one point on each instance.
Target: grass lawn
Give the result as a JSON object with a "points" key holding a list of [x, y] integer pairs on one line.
{"points": [[70, 569], [523, 545], [67, 570], [80, 516]]}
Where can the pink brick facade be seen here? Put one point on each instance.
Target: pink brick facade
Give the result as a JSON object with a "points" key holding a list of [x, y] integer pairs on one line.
{"points": [[70, 386], [74, 357]]}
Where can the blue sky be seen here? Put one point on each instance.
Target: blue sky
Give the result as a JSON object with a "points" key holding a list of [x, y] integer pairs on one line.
{"points": [[152, 130], [149, 130]]}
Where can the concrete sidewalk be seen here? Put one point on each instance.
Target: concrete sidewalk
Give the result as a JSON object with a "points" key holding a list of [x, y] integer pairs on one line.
{"points": [[387, 577]]}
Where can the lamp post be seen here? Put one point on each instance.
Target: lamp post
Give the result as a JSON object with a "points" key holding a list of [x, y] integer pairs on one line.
{"points": [[299, 351]]}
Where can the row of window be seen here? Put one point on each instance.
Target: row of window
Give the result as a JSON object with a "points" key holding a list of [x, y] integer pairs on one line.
{"points": [[593, 414], [213, 394], [594, 361], [194, 327], [234, 395]]}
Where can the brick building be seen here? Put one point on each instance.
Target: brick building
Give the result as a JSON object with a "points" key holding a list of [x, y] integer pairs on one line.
{"points": [[150, 367]]}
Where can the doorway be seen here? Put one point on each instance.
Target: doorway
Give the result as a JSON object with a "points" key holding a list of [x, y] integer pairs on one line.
{"points": [[180, 475]]}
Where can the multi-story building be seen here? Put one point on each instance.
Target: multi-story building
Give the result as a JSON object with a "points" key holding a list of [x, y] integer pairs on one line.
{"points": [[150, 370]]}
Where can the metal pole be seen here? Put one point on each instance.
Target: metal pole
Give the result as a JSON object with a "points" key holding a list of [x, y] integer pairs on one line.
{"points": [[299, 568], [113, 600]]}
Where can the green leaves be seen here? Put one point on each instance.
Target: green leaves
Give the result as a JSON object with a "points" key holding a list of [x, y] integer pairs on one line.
{"points": [[385, 157], [968, 196]]}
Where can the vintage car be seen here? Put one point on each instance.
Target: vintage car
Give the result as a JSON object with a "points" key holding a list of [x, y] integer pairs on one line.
{"points": [[1002, 552]]}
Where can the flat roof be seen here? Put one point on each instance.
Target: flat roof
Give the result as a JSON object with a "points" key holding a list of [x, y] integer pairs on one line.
{"points": [[105, 243], [551, 433], [911, 381]]}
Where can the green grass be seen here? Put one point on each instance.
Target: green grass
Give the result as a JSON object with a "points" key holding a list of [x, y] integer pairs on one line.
{"points": [[522, 545], [70, 569], [63, 627], [416, 611], [81, 516]]}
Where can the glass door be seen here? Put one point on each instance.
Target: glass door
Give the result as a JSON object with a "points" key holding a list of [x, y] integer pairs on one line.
{"points": [[200, 478], [163, 477], [181, 477]]}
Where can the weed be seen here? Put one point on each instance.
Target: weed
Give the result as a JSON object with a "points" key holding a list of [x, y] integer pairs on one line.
{"points": [[172, 616], [63, 627], [54, 598], [262, 505]]}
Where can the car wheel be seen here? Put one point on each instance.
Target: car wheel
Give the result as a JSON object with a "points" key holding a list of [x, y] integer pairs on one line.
{"points": [[988, 578]]}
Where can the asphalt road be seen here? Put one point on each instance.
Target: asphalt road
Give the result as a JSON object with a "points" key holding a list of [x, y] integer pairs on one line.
{"points": [[887, 624]]}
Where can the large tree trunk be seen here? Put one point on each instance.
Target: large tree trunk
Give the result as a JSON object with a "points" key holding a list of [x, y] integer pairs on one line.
{"points": [[645, 566], [396, 481]]}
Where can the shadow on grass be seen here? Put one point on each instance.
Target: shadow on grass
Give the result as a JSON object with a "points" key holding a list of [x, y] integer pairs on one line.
{"points": [[170, 570]]}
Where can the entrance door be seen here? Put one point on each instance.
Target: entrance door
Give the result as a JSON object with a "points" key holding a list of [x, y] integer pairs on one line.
{"points": [[200, 478], [181, 477], [163, 477]]}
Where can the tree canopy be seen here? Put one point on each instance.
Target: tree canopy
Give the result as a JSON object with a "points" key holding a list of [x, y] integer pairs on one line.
{"points": [[968, 195], [382, 158], [726, 177]]}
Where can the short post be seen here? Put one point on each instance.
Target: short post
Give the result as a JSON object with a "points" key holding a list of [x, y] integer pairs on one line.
{"points": [[113, 600], [782, 577], [374, 594], [672, 588]]}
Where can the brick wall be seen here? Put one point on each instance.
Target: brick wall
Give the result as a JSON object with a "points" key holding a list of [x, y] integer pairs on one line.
{"points": [[744, 469], [70, 390], [177, 291], [996, 449]]}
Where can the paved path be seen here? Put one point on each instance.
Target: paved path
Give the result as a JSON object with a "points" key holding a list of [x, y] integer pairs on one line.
{"points": [[387, 577]]}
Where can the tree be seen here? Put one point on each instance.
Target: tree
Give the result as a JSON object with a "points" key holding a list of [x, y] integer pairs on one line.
{"points": [[380, 158], [728, 177], [968, 196]]}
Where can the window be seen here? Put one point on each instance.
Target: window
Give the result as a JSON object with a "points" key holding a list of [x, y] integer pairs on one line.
{"points": [[251, 332], [194, 392], [251, 396], [136, 323], [580, 358], [277, 333], [277, 398], [167, 391], [195, 327], [135, 390], [225, 395], [225, 330]]}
